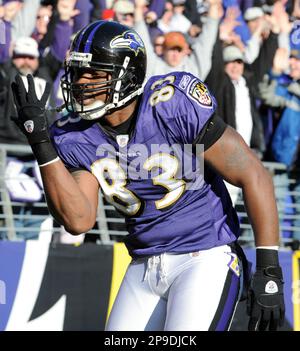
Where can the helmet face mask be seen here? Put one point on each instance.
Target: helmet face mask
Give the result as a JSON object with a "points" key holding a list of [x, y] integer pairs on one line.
{"points": [[116, 50]]}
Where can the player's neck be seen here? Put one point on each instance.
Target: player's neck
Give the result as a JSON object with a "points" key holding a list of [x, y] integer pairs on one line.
{"points": [[121, 115]]}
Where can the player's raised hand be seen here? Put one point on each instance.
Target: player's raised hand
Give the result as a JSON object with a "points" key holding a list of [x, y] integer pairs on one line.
{"points": [[31, 111], [265, 304]]}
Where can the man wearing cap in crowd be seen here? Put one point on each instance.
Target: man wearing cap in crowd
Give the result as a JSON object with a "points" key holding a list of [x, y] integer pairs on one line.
{"points": [[254, 16], [175, 48], [25, 61], [237, 100], [124, 12], [197, 63]]}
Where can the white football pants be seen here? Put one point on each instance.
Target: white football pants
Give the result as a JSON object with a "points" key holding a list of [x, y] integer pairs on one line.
{"points": [[185, 292]]}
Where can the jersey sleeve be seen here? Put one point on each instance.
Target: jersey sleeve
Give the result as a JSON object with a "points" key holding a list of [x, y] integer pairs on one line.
{"points": [[68, 156], [66, 149], [195, 119]]}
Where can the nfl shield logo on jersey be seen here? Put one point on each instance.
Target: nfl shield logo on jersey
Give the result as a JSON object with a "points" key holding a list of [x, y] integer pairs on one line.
{"points": [[29, 126], [122, 140]]}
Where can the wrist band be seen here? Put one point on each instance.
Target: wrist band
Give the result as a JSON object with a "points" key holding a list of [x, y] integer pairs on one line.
{"points": [[49, 163], [44, 153], [268, 247], [266, 258]]}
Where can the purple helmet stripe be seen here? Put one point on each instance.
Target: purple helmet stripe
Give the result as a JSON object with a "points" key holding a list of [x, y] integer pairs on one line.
{"points": [[90, 38], [81, 36]]}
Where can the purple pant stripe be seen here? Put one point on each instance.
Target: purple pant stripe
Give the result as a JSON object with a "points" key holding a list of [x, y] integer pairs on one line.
{"points": [[229, 304]]}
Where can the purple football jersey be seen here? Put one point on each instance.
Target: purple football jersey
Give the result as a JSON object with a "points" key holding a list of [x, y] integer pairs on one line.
{"points": [[168, 203]]}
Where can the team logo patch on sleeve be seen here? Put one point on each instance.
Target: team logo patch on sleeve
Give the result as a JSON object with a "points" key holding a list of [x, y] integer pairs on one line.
{"points": [[200, 94], [129, 40]]}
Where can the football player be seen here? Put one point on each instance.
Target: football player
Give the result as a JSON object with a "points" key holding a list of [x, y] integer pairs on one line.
{"points": [[185, 272]]}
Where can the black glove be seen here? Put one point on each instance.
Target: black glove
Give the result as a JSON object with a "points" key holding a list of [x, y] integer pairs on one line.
{"points": [[265, 304], [32, 118]]}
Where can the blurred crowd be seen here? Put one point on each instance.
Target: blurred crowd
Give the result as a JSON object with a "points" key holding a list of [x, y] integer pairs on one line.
{"points": [[247, 51]]}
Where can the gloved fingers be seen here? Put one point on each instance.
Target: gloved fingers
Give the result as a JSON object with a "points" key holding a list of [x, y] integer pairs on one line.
{"points": [[32, 98], [20, 88], [265, 320], [282, 315], [16, 95], [255, 314], [46, 94], [275, 316], [252, 325]]}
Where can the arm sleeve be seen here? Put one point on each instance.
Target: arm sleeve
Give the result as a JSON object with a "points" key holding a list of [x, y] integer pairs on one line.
{"points": [[252, 49], [67, 150], [67, 155], [211, 132]]}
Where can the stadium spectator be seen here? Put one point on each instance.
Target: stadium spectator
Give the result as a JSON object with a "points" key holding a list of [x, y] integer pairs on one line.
{"points": [[124, 12], [42, 20], [281, 92], [198, 62], [23, 20], [244, 116], [179, 20], [237, 105], [158, 45], [164, 22], [191, 12]]}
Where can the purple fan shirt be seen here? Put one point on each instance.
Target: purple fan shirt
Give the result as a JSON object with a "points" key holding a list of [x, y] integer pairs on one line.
{"points": [[169, 203]]}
